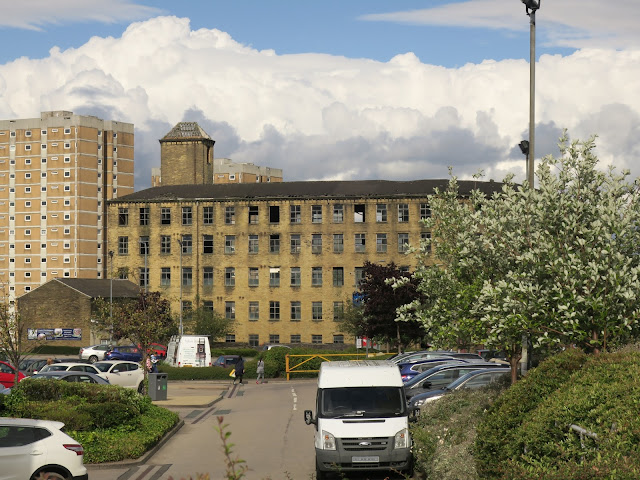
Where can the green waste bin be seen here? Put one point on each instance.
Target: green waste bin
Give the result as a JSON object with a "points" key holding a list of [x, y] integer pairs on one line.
{"points": [[158, 386]]}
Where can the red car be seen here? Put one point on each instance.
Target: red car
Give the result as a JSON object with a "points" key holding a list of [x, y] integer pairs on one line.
{"points": [[8, 374], [156, 349]]}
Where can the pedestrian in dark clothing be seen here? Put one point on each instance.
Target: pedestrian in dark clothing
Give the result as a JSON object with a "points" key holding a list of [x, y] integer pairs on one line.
{"points": [[239, 370]]}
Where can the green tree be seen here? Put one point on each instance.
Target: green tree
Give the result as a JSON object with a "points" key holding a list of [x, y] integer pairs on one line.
{"points": [[209, 322], [559, 263]]}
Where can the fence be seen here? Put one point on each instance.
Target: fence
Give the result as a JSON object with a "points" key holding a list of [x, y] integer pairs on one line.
{"points": [[298, 367]]}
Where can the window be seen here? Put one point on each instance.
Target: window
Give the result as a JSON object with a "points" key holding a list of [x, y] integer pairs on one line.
{"points": [[316, 213], [316, 339], [296, 311], [254, 311], [27, 133], [123, 216], [207, 276], [359, 275], [316, 276], [253, 214], [254, 279], [338, 311], [360, 242], [274, 214], [144, 216], [123, 245], [403, 212], [187, 216], [338, 243], [295, 244], [403, 242], [207, 306], [207, 244], [229, 215], [67, 131], [426, 239], [253, 243], [274, 243], [381, 242], [165, 216], [67, 159], [294, 214], [274, 311], [165, 244], [229, 277], [187, 244], [316, 311], [229, 244], [338, 213], [187, 277], [381, 212], [274, 276], [27, 232], [425, 211], [144, 245], [27, 218], [230, 310], [27, 147], [316, 243], [296, 338], [359, 211], [144, 277], [27, 189], [274, 338], [165, 276], [338, 276], [27, 161], [207, 215], [254, 340], [295, 277], [338, 339]]}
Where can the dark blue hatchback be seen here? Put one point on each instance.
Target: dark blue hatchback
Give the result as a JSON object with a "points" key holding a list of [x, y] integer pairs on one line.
{"points": [[126, 352]]}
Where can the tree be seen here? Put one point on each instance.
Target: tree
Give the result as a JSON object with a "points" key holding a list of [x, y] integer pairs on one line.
{"points": [[559, 263], [209, 322]]}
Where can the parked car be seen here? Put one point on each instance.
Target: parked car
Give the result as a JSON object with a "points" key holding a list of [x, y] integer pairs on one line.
{"points": [[124, 352], [472, 380], [123, 373], [93, 353], [226, 361], [158, 350], [34, 367], [71, 367], [8, 374], [438, 377], [31, 448], [269, 346], [71, 376], [410, 370]]}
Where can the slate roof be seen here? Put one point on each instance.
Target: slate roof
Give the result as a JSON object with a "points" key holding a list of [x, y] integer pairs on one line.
{"points": [[304, 190], [186, 131], [98, 287]]}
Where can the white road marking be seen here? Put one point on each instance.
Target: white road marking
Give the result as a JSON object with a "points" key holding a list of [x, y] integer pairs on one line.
{"points": [[295, 399]]}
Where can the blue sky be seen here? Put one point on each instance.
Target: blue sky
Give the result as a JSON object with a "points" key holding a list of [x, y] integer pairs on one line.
{"points": [[335, 89]]}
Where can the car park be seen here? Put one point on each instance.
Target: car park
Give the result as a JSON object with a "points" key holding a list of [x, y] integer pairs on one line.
{"points": [[34, 449], [72, 367], [431, 354], [71, 376], [34, 366], [130, 353], [472, 380], [123, 373], [411, 369], [226, 361], [8, 374], [93, 353]]}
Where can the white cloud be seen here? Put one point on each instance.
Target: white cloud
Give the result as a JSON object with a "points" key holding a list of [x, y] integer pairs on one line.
{"points": [[326, 117]]}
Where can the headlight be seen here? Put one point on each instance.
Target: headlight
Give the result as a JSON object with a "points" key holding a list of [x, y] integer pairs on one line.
{"points": [[402, 439], [328, 441], [418, 403]]}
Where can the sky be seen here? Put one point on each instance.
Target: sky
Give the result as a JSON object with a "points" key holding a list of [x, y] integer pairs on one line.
{"points": [[335, 90]]}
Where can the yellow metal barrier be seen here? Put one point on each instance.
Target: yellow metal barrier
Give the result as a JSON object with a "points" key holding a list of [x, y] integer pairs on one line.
{"points": [[295, 368]]}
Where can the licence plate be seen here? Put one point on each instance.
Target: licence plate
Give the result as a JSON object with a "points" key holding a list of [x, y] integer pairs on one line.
{"points": [[365, 459]]}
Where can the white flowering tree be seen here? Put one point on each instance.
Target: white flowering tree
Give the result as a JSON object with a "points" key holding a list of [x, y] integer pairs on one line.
{"points": [[559, 263]]}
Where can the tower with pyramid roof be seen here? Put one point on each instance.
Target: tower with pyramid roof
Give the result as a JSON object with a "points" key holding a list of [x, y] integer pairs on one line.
{"points": [[186, 156]]}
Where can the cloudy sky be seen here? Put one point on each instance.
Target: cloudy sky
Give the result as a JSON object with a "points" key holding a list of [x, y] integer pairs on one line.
{"points": [[335, 90]]}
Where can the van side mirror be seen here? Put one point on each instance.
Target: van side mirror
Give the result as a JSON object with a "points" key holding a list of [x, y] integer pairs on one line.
{"points": [[308, 417]]}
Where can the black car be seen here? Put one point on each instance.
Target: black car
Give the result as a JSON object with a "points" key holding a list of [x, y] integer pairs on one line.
{"points": [[226, 361]]}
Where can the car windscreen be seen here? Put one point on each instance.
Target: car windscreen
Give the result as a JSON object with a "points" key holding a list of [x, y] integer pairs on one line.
{"points": [[362, 402]]}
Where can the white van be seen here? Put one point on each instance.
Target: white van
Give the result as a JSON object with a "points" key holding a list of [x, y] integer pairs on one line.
{"points": [[362, 420], [189, 351]]}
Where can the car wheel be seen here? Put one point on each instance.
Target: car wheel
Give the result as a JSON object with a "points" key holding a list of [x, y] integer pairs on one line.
{"points": [[93, 359], [141, 387], [49, 476]]}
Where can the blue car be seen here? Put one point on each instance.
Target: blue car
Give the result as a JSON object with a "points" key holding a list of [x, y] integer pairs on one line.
{"points": [[411, 369], [127, 352]]}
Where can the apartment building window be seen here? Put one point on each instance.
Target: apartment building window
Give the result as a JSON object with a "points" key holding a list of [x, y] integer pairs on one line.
{"points": [[296, 280], [338, 243], [359, 275], [229, 277], [27, 133], [254, 311], [253, 243], [316, 213], [338, 213], [144, 277], [230, 311], [207, 305], [381, 242], [187, 244], [207, 276], [381, 212], [254, 340], [338, 339], [67, 131], [274, 311], [295, 215], [144, 245], [316, 243], [274, 276], [316, 311], [165, 276], [360, 242], [123, 217], [68, 160], [187, 216], [253, 214], [425, 237], [316, 276], [27, 147], [230, 215], [403, 212], [338, 311], [425, 211], [403, 242], [207, 215], [338, 276], [187, 276], [144, 216], [316, 339], [123, 245], [274, 243], [27, 175], [165, 244], [165, 216], [27, 232], [296, 311], [254, 279], [296, 338], [274, 214], [274, 338], [230, 244], [207, 244], [359, 213], [295, 244]]}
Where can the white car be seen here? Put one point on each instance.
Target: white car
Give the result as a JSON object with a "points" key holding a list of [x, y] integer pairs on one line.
{"points": [[72, 367], [93, 353], [123, 373], [38, 449]]}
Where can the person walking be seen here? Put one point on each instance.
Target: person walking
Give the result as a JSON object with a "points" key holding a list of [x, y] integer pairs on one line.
{"points": [[239, 367], [260, 371], [154, 364]]}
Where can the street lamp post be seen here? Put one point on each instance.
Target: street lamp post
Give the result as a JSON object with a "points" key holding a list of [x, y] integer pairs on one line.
{"points": [[180, 280], [531, 6], [111, 297]]}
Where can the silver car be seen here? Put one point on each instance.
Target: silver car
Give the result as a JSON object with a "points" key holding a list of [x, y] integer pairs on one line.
{"points": [[72, 367], [93, 353]]}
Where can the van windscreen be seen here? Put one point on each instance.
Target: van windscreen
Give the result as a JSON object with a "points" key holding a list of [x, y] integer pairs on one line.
{"points": [[362, 402]]}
